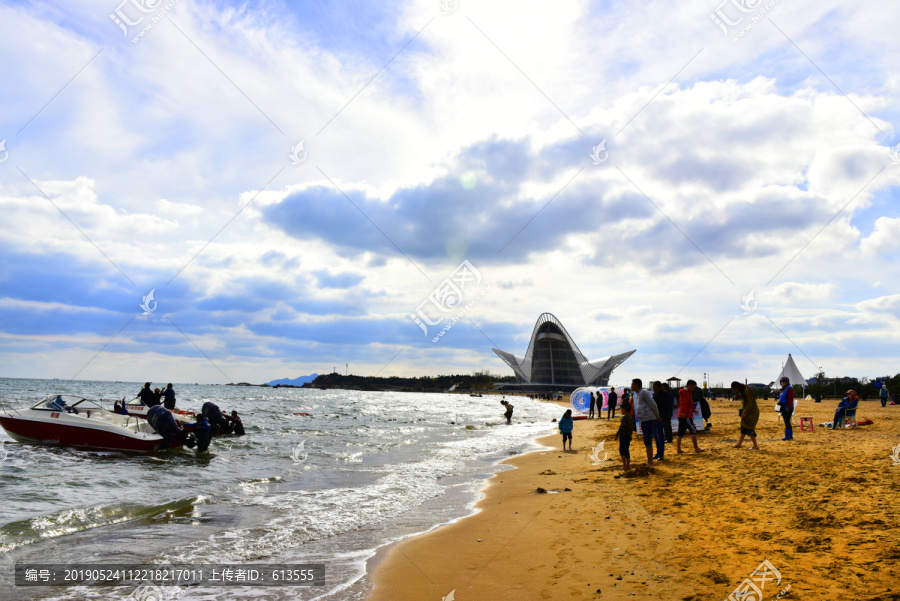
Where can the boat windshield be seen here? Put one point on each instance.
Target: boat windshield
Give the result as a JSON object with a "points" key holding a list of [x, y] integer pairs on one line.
{"points": [[59, 402], [87, 404]]}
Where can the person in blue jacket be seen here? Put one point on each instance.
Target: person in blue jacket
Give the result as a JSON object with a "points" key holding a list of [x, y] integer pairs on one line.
{"points": [[786, 406], [849, 402], [566, 424]]}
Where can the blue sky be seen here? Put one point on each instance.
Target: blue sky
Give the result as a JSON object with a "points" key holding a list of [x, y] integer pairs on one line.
{"points": [[437, 134]]}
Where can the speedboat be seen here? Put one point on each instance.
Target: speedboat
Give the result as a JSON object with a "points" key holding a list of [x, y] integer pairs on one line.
{"points": [[79, 422]]}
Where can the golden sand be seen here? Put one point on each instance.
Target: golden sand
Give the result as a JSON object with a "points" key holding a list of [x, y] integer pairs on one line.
{"points": [[823, 509]]}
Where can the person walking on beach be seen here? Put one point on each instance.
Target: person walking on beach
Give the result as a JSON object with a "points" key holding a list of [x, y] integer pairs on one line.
{"points": [[647, 411], [623, 435], [749, 414], [705, 411], [611, 403], [686, 417], [786, 406], [593, 406], [566, 424], [884, 394], [663, 399], [509, 410], [169, 397]]}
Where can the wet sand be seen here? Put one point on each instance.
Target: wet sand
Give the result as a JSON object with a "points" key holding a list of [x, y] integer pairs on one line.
{"points": [[823, 509]]}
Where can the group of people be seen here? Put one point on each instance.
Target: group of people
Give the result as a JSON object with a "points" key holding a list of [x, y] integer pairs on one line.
{"points": [[655, 414], [611, 403], [654, 410], [152, 398], [662, 396], [218, 423]]}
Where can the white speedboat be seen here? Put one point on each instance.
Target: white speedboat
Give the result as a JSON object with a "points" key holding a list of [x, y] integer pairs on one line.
{"points": [[78, 422]]}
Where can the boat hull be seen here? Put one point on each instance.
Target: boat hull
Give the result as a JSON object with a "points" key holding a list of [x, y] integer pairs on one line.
{"points": [[73, 435]]}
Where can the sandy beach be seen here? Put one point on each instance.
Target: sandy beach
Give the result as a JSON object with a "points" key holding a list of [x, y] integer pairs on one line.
{"points": [[823, 509]]}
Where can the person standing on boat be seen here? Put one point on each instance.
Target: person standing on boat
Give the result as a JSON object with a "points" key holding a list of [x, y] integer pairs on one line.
{"points": [[146, 396], [169, 397]]}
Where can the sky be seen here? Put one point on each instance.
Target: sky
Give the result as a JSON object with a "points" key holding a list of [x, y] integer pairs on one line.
{"points": [[220, 192]]}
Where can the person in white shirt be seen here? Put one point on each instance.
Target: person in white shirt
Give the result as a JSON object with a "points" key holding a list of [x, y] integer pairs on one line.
{"points": [[646, 411]]}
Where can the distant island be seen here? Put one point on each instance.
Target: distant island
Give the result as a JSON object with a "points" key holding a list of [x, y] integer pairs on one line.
{"points": [[452, 383], [455, 383], [293, 382]]}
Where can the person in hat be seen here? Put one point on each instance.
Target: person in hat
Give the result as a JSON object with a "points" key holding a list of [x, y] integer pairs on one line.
{"points": [[849, 401], [786, 406]]}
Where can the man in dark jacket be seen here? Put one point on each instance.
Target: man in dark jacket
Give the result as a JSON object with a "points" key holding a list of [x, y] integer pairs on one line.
{"points": [[169, 397], [665, 402], [611, 406], [147, 397], [705, 411]]}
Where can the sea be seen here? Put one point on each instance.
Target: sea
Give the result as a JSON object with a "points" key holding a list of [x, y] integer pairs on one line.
{"points": [[338, 487]]}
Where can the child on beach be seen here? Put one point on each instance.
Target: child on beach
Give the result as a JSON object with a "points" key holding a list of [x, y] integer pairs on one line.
{"points": [[626, 429], [509, 410], [565, 427]]}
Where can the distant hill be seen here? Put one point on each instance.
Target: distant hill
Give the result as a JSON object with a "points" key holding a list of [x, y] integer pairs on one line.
{"points": [[482, 381], [295, 382]]}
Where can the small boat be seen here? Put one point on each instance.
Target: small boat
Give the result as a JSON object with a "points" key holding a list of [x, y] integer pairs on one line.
{"points": [[79, 422], [138, 409]]}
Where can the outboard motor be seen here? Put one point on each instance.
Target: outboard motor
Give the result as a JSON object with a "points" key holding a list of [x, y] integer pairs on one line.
{"points": [[162, 420], [217, 421]]}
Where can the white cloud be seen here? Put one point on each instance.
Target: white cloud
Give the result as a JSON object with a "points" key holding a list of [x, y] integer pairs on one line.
{"points": [[749, 151], [885, 238]]}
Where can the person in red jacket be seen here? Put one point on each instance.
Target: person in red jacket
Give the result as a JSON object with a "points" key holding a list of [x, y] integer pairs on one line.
{"points": [[686, 417]]}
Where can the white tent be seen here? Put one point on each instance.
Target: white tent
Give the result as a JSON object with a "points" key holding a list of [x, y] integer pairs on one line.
{"points": [[790, 370]]}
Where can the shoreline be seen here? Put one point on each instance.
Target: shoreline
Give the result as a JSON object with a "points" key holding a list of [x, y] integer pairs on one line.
{"points": [[693, 529], [374, 563]]}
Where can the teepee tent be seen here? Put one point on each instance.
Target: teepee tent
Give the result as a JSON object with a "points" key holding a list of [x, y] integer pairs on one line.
{"points": [[790, 370]]}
